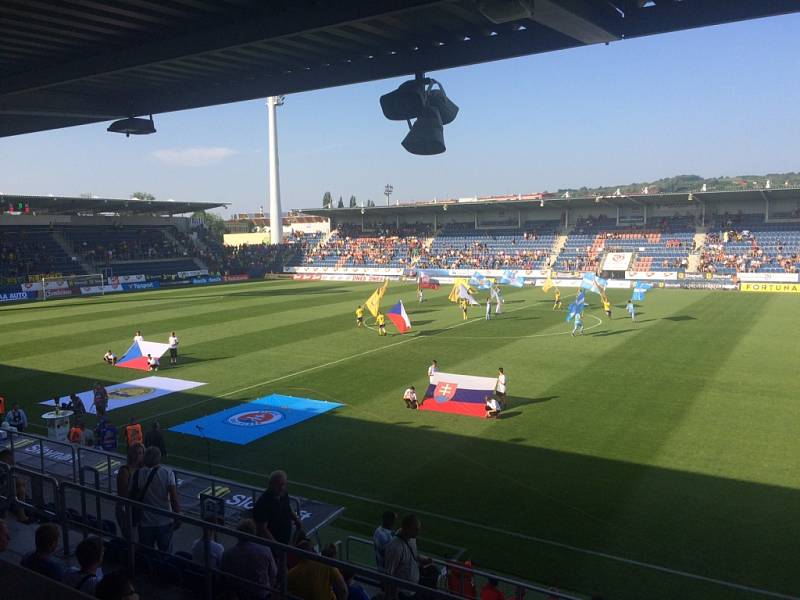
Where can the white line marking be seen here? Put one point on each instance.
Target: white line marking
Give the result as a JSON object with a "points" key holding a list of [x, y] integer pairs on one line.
{"points": [[523, 536]]}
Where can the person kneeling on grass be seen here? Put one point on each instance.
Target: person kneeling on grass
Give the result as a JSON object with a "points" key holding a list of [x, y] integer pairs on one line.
{"points": [[493, 407], [410, 398], [110, 358], [152, 363]]}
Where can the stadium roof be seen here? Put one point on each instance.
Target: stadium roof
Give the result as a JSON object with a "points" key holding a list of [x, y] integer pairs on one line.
{"points": [[61, 205], [73, 62], [472, 205]]}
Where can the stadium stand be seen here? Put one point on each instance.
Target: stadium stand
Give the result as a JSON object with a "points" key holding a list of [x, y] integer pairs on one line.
{"points": [[386, 246], [663, 244], [74, 487], [32, 250], [748, 244], [460, 248]]}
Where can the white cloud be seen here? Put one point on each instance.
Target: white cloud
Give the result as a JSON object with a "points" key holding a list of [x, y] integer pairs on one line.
{"points": [[202, 156]]}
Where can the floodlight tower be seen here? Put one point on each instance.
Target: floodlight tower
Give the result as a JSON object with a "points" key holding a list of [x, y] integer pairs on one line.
{"points": [[275, 218]]}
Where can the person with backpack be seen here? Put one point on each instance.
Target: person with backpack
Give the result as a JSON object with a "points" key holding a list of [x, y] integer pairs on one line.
{"points": [[403, 559], [154, 485]]}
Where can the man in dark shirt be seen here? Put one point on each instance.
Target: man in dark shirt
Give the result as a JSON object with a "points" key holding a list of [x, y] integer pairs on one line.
{"points": [[41, 560], [272, 513], [155, 437]]}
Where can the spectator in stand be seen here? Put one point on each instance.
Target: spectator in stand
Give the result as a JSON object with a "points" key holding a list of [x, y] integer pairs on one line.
{"points": [[490, 591], [89, 553], [16, 417], [156, 487], [355, 591], [20, 487], [381, 537], [273, 513], [312, 580], [116, 586], [135, 460], [5, 536], [402, 557], [155, 437], [215, 549], [250, 562], [41, 560]]}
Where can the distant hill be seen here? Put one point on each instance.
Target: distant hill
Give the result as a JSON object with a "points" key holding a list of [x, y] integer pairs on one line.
{"points": [[693, 183]]}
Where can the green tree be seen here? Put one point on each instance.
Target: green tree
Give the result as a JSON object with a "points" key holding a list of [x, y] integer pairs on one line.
{"points": [[341, 203], [353, 203], [213, 223], [327, 200], [143, 196]]}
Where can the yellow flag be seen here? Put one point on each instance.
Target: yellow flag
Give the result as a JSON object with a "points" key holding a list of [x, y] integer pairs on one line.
{"points": [[457, 283], [373, 304], [548, 283]]}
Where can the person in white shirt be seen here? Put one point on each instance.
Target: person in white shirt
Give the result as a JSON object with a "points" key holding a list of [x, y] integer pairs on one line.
{"points": [[488, 308], [420, 295], [433, 369], [403, 559], [173, 349], [152, 363], [500, 389], [410, 397], [382, 536], [110, 358], [492, 407], [138, 337]]}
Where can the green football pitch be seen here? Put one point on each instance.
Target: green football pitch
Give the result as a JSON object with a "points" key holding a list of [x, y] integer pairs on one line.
{"points": [[656, 459]]}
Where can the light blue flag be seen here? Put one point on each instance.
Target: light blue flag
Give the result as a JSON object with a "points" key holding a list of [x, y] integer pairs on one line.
{"points": [[638, 295], [593, 283], [574, 309], [511, 278], [480, 281]]}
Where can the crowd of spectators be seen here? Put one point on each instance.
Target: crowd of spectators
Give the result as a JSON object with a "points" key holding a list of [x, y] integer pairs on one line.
{"points": [[23, 253], [129, 243], [478, 255], [741, 252]]}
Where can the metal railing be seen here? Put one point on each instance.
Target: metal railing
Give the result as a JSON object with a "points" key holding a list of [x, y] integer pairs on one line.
{"points": [[520, 588]]}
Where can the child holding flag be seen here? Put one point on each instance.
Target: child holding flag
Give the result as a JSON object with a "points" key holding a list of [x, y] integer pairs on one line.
{"points": [[360, 316], [381, 321], [631, 310], [578, 327], [488, 308], [557, 300], [607, 306], [463, 304]]}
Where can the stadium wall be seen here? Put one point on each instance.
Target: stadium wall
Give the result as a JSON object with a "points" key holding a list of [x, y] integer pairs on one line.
{"points": [[182, 223]]}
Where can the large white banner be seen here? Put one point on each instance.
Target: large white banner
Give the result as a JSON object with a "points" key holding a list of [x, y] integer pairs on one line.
{"points": [[617, 261], [652, 275], [50, 285], [101, 289], [126, 279], [770, 277]]}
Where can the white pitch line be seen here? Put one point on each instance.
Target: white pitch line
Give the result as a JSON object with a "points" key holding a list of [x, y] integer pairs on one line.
{"points": [[522, 536], [322, 366]]}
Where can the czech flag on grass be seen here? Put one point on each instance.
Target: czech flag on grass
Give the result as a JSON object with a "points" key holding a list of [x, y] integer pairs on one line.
{"points": [[398, 315], [136, 356]]}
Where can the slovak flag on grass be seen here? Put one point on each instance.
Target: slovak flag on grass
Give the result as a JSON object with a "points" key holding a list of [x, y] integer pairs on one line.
{"points": [[398, 315]]}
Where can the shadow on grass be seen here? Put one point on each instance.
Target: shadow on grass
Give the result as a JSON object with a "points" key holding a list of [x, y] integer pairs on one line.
{"points": [[678, 318], [609, 333], [703, 523]]}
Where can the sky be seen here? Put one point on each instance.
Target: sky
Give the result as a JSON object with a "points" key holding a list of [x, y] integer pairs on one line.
{"points": [[714, 101]]}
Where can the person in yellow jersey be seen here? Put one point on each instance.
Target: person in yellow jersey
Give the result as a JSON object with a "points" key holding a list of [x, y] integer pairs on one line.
{"points": [[607, 307], [360, 316], [464, 305], [557, 300], [381, 321]]}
